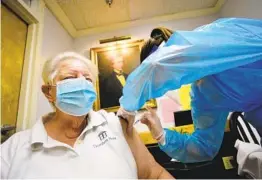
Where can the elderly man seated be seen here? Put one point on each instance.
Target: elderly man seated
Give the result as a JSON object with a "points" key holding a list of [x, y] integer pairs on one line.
{"points": [[75, 141]]}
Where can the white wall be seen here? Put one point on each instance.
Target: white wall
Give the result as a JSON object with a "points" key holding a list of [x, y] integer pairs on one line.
{"points": [[242, 8], [55, 40], [83, 44]]}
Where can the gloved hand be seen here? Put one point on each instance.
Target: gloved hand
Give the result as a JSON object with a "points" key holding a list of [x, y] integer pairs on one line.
{"points": [[152, 121]]}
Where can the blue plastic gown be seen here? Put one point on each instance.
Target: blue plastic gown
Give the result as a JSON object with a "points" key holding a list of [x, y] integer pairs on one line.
{"points": [[226, 57]]}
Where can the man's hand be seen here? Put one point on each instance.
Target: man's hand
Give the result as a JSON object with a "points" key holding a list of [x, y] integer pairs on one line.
{"points": [[129, 117]]}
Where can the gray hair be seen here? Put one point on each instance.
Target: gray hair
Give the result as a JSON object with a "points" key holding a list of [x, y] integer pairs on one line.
{"points": [[50, 67]]}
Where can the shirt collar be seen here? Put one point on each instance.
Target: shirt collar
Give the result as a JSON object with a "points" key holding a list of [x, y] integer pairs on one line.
{"points": [[95, 119], [39, 136], [118, 72]]}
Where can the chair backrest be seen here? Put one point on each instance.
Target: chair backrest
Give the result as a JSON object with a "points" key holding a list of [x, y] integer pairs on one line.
{"points": [[242, 129]]}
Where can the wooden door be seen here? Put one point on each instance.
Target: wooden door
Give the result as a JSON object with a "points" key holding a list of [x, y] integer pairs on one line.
{"points": [[14, 34]]}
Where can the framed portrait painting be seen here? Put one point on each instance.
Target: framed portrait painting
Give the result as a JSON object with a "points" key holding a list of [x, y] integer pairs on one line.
{"points": [[115, 63]]}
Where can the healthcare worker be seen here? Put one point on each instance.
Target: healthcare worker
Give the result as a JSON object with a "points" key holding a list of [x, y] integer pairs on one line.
{"points": [[223, 61]]}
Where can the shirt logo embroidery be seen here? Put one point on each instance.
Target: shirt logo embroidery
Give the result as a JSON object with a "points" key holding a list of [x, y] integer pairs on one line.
{"points": [[102, 135], [104, 138]]}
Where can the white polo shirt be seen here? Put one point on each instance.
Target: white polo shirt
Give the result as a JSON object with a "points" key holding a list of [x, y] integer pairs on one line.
{"points": [[101, 151]]}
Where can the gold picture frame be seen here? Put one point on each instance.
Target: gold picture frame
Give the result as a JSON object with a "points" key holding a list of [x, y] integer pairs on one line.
{"points": [[101, 55]]}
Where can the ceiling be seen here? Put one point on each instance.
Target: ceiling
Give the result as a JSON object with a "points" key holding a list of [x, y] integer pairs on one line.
{"points": [[84, 17]]}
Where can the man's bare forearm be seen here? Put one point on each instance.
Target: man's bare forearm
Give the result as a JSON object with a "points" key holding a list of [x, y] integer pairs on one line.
{"points": [[147, 167]]}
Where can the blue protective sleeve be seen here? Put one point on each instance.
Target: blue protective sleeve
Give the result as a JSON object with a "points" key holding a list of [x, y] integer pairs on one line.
{"points": [[209, 123], [203, 144], [191, 55]]}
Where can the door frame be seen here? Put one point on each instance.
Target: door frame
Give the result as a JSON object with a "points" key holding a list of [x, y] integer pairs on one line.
{"points": [[33, 16]]}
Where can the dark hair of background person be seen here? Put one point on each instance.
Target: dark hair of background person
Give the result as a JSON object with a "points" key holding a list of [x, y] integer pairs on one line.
{"points": [[158, 35]]}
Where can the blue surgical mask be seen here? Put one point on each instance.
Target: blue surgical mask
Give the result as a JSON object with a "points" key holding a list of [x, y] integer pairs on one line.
{"points": [[75, 96]]}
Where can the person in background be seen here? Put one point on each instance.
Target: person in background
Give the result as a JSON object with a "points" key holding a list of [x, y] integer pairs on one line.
{"points": [[74, 141], [114, 83], [223, 60]]}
